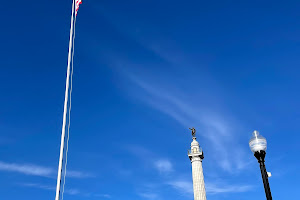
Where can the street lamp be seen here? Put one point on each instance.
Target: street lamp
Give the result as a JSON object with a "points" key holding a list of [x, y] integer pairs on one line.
{"points": [[258, 145]]}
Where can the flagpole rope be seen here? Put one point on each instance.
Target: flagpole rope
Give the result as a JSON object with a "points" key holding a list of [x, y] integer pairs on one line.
{"points": [[70, 107]]}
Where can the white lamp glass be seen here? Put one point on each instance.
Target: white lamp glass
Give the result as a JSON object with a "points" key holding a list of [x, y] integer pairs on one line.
{"points": [[257, 142]]}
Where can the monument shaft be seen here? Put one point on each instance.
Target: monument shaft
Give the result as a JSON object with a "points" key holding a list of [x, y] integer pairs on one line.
{"points": [[196, 157], [198, 179]]}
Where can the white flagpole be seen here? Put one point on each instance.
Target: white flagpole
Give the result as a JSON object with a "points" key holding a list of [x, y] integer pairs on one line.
{"points": [[65, 107]]}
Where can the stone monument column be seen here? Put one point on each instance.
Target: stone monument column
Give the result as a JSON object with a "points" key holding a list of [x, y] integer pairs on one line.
{"points": [[196, 157]]}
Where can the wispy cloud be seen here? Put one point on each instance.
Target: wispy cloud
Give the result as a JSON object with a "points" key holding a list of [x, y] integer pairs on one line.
{"points": [[186, 187], [28, 169], [214, 189], [103, 195], [148, 195], [163, 165], [36, 170], [139, 151], [47, 187], [40, 186], [219, 128], [69, 191], [79, 174]]}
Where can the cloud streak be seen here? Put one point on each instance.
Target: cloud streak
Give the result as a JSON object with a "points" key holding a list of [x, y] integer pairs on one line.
{"points": [[36, 170], [70, 191], [52, 188], [186, 187], [103, 195], [148, 195], [28, 169], [79, 174], [163, 165], [215, 189], [219, 129]]}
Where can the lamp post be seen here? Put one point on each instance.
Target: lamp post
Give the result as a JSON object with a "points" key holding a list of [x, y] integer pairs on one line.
{"points": [[258, 145]]}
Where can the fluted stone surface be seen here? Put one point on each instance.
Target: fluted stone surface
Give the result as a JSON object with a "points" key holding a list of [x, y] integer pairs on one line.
{"points": [[196, 156], [198, 179]]}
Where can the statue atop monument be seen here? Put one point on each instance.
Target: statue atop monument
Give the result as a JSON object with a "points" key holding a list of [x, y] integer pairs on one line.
{"points": [[193, 131]]}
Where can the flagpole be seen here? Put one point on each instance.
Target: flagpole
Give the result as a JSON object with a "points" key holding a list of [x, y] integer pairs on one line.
{"points": [[62, 143]]}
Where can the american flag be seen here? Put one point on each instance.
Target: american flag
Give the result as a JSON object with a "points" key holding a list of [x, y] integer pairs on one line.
{"points": [[77, 3]]}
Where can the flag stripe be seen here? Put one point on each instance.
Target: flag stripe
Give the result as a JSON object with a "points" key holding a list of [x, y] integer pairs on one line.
{"points": [[78, 2]]}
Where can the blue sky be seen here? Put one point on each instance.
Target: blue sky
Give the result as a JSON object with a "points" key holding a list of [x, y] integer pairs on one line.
{"points": [[146, 71]]}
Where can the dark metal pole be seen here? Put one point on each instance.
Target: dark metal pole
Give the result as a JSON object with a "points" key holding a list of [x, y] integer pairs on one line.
{"points": [[260, 155]]}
